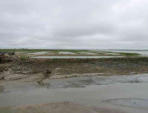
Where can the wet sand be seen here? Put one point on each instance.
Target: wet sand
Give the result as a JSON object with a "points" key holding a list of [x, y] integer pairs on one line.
{"points": [[127, 94]]}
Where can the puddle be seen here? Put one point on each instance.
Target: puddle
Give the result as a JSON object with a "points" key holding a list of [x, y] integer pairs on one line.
{"points": [[88, 53], [70, 53], [39, 53]]}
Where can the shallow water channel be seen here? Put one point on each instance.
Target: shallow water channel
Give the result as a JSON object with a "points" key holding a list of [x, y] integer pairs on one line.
{"points": [[126, 93]]}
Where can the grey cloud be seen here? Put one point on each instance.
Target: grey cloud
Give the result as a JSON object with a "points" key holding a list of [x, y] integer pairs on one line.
{"points": [[93, 24]]}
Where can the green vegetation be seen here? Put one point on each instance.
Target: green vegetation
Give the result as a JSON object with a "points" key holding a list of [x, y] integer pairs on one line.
{"points": [[40, 50], [129, 54], [22, 50]]}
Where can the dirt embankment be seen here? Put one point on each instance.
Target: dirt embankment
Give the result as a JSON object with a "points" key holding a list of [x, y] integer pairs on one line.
{"points": [[38, 69]]}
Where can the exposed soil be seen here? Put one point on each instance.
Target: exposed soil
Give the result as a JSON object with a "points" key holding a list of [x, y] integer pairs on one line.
{"points": [[38, 69]]}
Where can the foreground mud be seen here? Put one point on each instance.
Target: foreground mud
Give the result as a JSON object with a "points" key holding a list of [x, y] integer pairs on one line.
{"points": [[63, 107], [100, 94]]}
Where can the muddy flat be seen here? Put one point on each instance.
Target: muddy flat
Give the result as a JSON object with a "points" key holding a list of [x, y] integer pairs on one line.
{"points": [[127, 94]]}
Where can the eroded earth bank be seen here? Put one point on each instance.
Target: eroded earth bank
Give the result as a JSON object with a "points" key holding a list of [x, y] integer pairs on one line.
{"points": [[114, 85], [38, 69]]}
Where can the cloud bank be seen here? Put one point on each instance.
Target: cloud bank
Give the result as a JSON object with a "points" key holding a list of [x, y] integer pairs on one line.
{"points": [[74, 24]]}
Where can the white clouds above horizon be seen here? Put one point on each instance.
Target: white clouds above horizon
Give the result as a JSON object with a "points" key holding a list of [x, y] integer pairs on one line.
{"points": [[74, 24]]}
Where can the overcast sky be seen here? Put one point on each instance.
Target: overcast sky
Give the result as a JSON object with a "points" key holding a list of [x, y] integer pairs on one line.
{"points": [[74, 24]]}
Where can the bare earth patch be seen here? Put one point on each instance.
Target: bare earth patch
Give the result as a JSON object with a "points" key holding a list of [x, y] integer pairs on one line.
{"points": [[39, 69]]}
